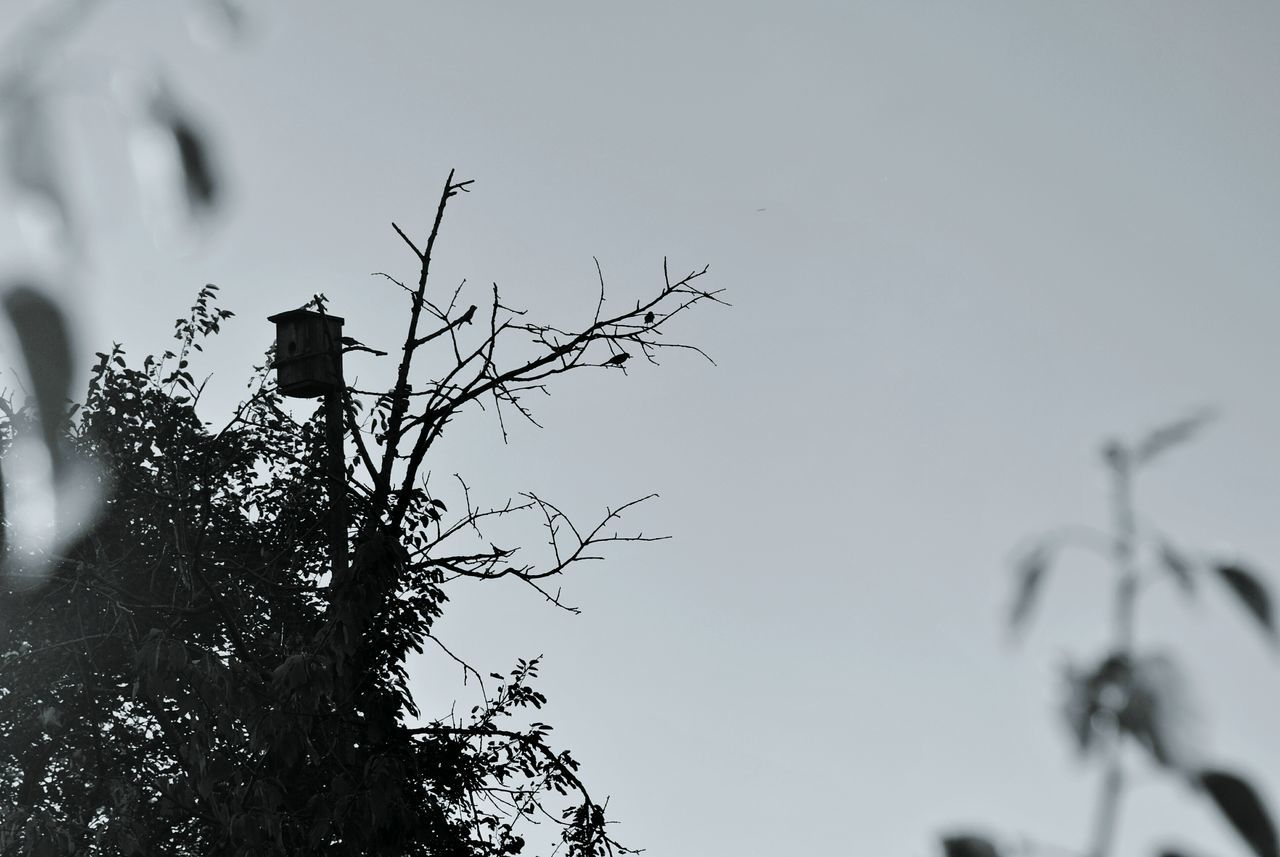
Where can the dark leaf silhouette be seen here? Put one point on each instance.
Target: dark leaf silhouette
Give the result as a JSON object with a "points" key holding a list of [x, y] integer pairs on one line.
{"points": [[1157, 707], [47, 504], [174, 159], [1146, 697], [45, 341], [1178, 566], [1086, 692], [1167, 436], [1242, 807], [1078, 708], [968, 845], [1031, 571], [1249, 589], [197, 166]]}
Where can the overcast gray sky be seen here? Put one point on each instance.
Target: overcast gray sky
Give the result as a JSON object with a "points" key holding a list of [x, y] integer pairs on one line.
{"points": [[963, 241]]}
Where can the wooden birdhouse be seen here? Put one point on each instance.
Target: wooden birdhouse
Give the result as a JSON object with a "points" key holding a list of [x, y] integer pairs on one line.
{"points": [[308, 353]]}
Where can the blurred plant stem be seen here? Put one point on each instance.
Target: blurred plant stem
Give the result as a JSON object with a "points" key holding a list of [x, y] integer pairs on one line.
{"points": [[1124, 537]]}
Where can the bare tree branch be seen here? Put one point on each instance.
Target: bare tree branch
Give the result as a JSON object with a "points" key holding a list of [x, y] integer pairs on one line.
{"points": [[407, 240]]}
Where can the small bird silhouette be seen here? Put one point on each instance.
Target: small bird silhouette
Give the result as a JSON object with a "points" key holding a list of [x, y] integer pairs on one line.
{"points": [[618, 359], [648, 317], [349, 344]]}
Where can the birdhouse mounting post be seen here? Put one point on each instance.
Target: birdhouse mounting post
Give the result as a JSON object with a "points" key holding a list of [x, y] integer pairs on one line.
{"points": [[309, 365]]}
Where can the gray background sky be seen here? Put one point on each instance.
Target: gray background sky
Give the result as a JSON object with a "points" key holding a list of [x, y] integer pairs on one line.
{"points": [[993, 232]]}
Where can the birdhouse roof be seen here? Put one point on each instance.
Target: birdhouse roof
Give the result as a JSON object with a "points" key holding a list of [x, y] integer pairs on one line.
{"points": [[289, 315]]}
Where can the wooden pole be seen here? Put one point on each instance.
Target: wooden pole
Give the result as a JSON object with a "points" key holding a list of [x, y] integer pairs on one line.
{"points": [[333, 413], [337, 484]]}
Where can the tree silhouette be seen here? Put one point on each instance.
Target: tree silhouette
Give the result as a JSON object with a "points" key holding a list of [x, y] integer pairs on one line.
{"points": [[189, 677]]}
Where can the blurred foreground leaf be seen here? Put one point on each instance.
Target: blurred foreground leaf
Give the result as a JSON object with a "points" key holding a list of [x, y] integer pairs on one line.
{"points": [[173, 159], [1167, 436], [45, 341], [217, 21], [52, 493], [968, 845], [1178, 566], [30, 161], [1250, 590], [1092, 693], [1242, 807], [1031, 571], [1145, 697], [1157, 711]]}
